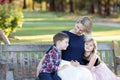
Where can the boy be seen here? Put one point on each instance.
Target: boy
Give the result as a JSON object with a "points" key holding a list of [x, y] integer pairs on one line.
{"points": [[48, 66]]}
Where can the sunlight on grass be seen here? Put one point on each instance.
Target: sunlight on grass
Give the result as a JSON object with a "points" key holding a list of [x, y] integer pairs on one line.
{"points": [[41, 38], [99, 36], [107, 33], [41, 19], [107, 38]]}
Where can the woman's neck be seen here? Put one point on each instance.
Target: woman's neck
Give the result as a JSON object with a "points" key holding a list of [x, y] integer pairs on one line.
{"points": [[73, 31]]}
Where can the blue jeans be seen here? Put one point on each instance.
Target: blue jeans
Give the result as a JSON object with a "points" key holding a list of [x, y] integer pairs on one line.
{"points": [[48, 76]]}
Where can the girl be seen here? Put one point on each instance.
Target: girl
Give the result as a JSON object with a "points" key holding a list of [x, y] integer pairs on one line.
{"points": [[98, 68]]}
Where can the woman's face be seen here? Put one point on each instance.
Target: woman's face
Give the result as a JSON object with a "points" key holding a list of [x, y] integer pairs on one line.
{"points": [[89, 46], [79, 29]]}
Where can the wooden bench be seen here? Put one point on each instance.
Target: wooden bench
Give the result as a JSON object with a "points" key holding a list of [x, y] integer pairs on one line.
{"points": [[20, 61]]}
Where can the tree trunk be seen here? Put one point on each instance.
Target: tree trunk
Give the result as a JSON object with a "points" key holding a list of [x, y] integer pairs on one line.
{"points": [[62, 6], [40, 5], [24, 4], [71, 6], [92, 8], [10, 1], [33, 5], [52, 5], [99, 7], [3, 1], [107, 8]]}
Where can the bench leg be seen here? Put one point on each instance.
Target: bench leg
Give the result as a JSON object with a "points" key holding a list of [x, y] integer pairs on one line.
{"points": [[9, 75], [1, 75], [2, 72]]}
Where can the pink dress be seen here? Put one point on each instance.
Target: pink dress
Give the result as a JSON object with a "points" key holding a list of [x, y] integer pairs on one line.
{"points": [[100, 71]]}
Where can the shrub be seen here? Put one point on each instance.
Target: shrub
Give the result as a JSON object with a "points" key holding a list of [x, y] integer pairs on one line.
{"points": [[10, 18]]}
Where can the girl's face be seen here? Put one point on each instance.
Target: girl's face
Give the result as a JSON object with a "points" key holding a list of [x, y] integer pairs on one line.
{"points": [[79, 29], [89, 46]]}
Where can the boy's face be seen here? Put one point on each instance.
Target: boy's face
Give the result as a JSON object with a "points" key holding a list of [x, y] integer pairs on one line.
{"points": [[64, 44]]}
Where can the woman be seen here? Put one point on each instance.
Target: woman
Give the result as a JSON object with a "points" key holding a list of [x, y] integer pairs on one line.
{"points": [[77, 36], [75, 51]]}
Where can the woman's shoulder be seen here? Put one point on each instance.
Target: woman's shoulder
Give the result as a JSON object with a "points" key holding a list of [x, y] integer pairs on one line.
{"points": [[65, 31], [71, 34]]}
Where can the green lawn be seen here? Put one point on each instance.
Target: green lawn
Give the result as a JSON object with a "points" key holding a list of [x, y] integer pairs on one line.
{"points": [[40, 27]]}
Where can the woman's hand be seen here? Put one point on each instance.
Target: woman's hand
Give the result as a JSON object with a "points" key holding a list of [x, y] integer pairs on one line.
{"points": [[75, 63], [63, 67]]}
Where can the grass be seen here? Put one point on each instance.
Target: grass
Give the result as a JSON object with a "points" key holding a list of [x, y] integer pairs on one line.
{"points": [[39, 27]]}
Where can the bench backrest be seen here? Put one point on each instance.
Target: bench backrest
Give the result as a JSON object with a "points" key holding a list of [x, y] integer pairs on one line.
{"points": [[23, 59]]}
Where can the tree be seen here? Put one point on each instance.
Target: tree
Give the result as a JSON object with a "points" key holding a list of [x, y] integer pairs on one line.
{"points": [[107, 7], [24, 4], [71, 6], [99, 5], [33, 4], [52, 5], [10, 18]]}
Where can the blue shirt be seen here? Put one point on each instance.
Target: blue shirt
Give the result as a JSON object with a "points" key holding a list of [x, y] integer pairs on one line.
{"points": [[75, 49]]}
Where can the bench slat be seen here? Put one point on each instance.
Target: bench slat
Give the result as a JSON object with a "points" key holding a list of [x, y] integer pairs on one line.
{"points": [[110, 60], [15, 65], [14, 47], [105, 46]]}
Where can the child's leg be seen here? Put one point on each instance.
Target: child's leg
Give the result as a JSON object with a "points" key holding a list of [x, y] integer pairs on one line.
{"points": [[45, 76], [56, 77]]}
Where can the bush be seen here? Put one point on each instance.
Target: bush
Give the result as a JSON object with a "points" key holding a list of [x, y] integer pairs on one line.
{"points": [[10, 18]]}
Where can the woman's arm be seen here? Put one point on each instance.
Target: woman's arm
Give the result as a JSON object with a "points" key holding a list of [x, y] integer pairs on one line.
{"points": [[62, 67]]}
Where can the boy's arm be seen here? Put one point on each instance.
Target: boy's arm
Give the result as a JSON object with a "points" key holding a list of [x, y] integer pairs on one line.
{"points": [[40, 64]]}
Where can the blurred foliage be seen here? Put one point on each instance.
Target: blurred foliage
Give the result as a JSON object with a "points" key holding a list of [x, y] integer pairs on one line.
{"points": [[10, 18], [103, 8]]}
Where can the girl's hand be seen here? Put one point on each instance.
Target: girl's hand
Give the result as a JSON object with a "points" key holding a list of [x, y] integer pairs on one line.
{"points": [[75, 63]]}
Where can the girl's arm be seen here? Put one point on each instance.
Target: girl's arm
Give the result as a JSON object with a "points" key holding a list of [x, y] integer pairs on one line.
{"points": [[89, 65], [40, 64], [92, 62]]}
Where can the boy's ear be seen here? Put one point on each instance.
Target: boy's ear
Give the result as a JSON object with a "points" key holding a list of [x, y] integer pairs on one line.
{"points": [[58, 42]]}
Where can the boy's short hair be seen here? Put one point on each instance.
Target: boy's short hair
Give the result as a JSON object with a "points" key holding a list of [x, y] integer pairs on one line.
{"points": [[59, 37]]}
